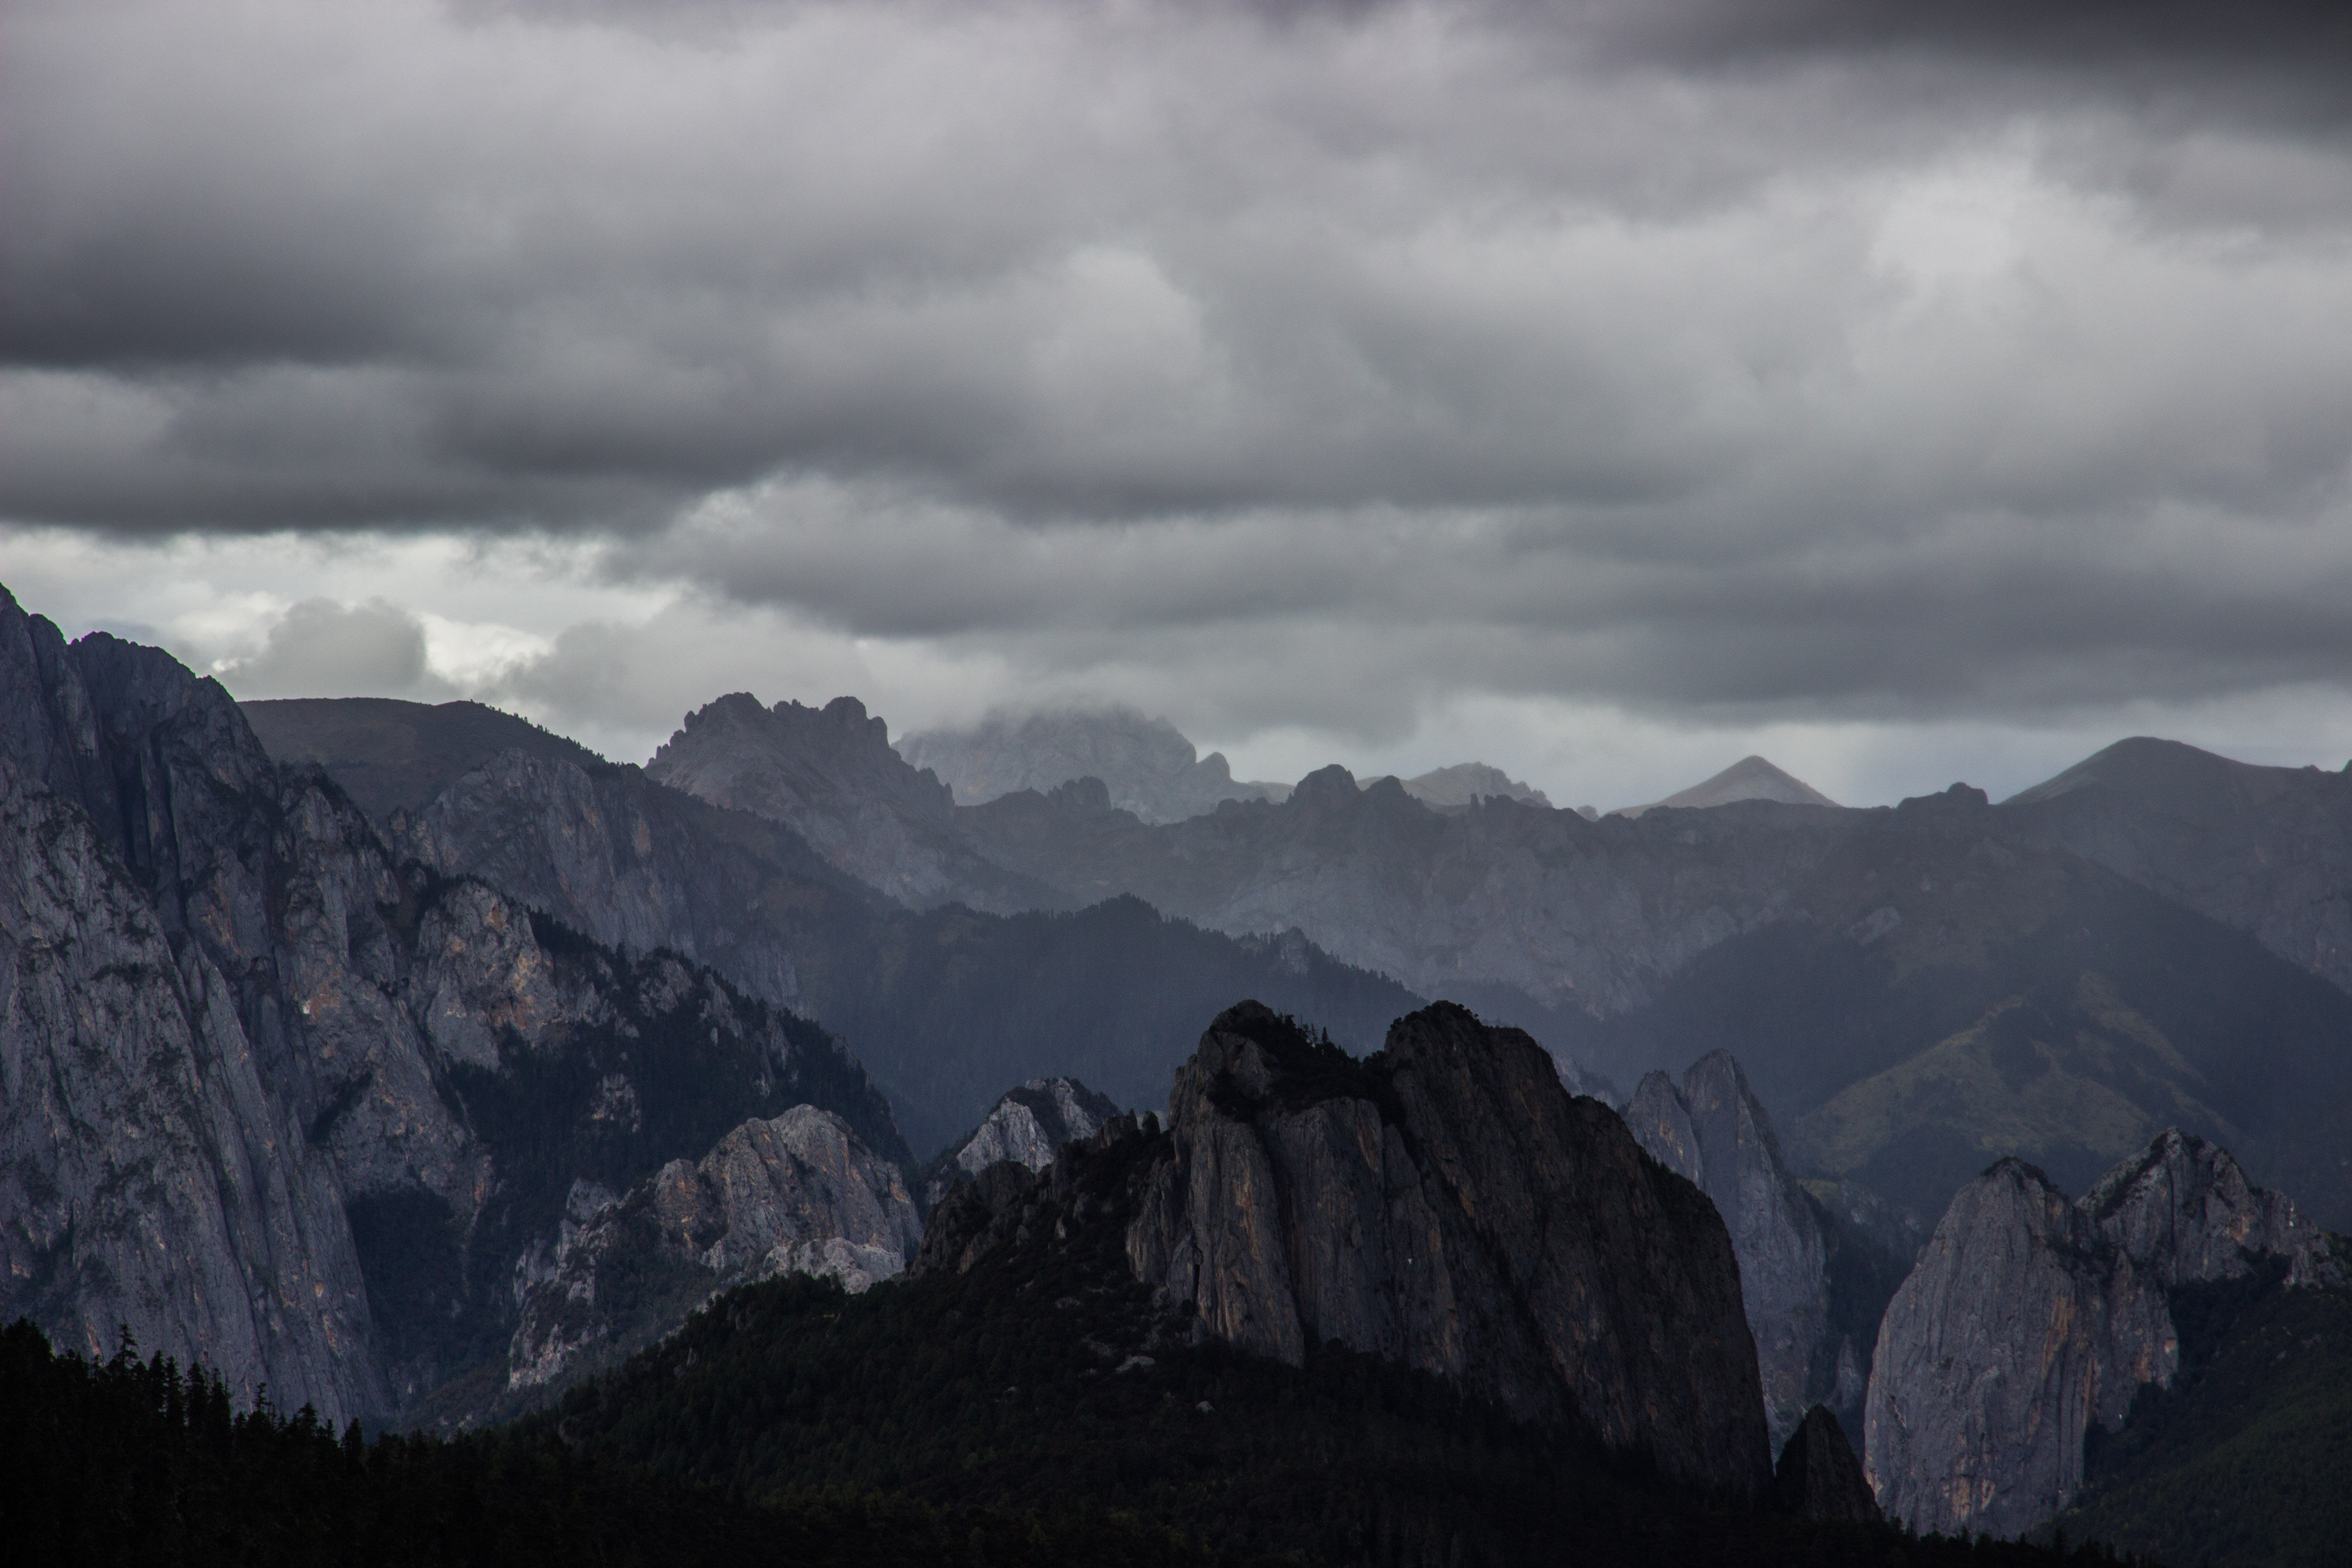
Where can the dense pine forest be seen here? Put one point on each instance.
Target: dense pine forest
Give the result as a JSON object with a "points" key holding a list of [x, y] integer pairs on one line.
{"points": [[801, 1427]]}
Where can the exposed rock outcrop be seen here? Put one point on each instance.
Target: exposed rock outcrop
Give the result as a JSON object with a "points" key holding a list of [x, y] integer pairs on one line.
{"points": [[1026, 1127], [1712, 1132], [1818, 1476], [830, 774], [149, 1178], [2028, 1317], [629, 862], [1448, 1205], [1146, 765], [797, 1193], [258, 1075]]}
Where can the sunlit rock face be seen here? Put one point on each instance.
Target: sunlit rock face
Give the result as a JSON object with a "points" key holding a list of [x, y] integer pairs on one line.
{"points": [[2030, 1317], [1448, 1205], [1712, 1132], [796, 1193], [1026, 1126]]}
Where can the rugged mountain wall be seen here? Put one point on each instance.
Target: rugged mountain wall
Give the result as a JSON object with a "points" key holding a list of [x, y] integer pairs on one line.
{"points": [[2028, 1317], [1026, 1127], [149, 1177], [830, 774], [1146, 765], [797, 1193], [635, 864], [1446, 1203], [1712, 1132], [360, 1082]]}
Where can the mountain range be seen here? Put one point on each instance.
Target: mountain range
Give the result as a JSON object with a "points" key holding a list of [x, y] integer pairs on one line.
{"points": [[429, 1068]]}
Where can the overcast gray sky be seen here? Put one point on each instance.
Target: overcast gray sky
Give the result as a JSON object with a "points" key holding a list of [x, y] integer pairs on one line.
{"points": [[1910, 392]]}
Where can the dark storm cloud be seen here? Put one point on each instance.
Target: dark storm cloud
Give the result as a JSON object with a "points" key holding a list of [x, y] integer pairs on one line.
{"points": [[2301, 46], [1803, 356]]}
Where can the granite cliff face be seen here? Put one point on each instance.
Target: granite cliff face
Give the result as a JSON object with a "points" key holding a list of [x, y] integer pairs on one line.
{"points": [[831, 775], [1448, 1205], [2028, 1317], [797, 1193], [1712, 1132], [1146, 765], [279, 1102], [1026, 1127], [149, 1177]]}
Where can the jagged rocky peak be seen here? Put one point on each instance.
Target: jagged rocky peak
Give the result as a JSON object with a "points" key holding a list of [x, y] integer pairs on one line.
{"points": [[2028, 1317], [1026, 1126], [1818, 1476], [737, 747], [2183, 1210], [1331, 785], [1712, 1131], [1447, 1203], [831, 775], [1749, 778], [1465, 783], [1146, 764], [796, 1193]]}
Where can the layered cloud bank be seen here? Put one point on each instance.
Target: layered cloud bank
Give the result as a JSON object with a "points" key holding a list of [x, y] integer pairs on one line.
{"points": [[1685, 369]]}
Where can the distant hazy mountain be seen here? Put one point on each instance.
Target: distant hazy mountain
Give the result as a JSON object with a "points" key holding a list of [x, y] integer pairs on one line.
{"points": [[1913, 992], [1749, 778], [1465, 781], [2268, 850], [1149, 766], [830, 775]]}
